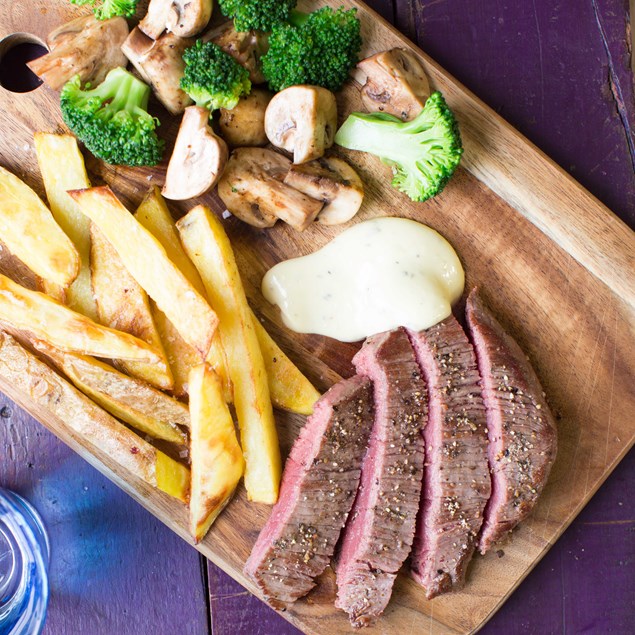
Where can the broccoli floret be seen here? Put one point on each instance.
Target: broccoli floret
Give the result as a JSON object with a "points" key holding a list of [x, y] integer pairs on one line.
{"points": [[213, 78], [258, 15], [423, 152], [112, 119], [317, 48], [106, 9]]}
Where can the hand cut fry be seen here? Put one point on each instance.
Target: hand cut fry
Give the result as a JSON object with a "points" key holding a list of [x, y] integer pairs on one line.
{"points": [[143, 407], [155, 216], [123, 305], [48, 320], [172, 477], [181, 356], [146, 260], [62, 167], [217, 461], [30, 232], [208, 246], [289, 388], [67, 409]]}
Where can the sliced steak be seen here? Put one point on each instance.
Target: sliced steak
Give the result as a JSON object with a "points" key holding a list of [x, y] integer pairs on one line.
{"points": [[456, 482], [379, 533], [318, 489], [522, 431]]}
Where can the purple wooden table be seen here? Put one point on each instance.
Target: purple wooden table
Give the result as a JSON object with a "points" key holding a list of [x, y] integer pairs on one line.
{"points": [[559, 72]]}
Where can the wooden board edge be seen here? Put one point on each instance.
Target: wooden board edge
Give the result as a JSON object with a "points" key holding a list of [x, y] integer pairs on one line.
{"points": [[566, 212], [565, 525]]}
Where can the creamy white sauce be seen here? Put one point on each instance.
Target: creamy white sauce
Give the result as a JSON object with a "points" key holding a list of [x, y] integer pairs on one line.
{"points": [[373, 277]]}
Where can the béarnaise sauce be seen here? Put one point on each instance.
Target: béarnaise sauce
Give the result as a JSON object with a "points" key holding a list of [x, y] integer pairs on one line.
{"points": [[373, 277]]}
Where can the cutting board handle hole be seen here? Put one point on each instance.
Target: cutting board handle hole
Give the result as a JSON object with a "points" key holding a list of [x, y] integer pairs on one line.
{"points": [[15, 51]]}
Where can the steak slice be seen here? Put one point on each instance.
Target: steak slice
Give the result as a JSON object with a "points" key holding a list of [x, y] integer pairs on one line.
{"points": [[317, 492], [456, 481], [379, 533], [521, 429]]}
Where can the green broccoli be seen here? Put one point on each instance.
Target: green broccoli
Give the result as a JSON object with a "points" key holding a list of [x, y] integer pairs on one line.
{"points": [[110, 8], [213, 78], [318, 48], [423, 152], [112, 119], [258, 15]]}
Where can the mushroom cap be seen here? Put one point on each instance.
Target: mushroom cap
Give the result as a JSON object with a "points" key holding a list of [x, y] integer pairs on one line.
{"points": [[86, 47], [253, 189], [198, 159], [396, 83], [160, 64], [246, 48], [244, 125], [333, 181], [184, 18], [189, 17], [303, 121]]}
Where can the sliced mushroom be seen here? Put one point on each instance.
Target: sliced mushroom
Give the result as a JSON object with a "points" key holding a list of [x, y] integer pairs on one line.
{"points": [[160, 64], [69, 31], [244, 125], [246, 48], [253, 189], [302, 120], [198, 159], [184, 18], [332, 181], [86, 47], [395, 83]]}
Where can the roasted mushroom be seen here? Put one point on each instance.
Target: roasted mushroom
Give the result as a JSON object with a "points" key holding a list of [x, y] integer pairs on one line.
{"points": [[302, 120], [198, 159], [160, 64], [332, 181], [252, 188], [184, 18], [86, 47], [395, 83], [246, 48], [244, 125]]}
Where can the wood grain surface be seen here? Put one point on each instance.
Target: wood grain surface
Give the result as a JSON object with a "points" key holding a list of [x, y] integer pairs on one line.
{"points": [[559, 274]]}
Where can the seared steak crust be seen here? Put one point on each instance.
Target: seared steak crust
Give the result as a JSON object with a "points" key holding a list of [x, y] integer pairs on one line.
{"points": [[456, 480], [379, 533], [522, 431], [318, 489]]}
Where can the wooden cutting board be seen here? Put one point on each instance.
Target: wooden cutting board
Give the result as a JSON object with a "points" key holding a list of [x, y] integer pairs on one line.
{"points": [[556, 266]]}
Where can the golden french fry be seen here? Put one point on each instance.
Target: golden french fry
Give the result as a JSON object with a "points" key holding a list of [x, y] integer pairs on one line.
{"points": [[117, 446], [172, 477], [123, 305], [48, 320], [181, 356], [155, 216], [289, 388], [62, 167], [30, 232], [146, 260], [217, 461], [208, 246], [131, 400]]}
